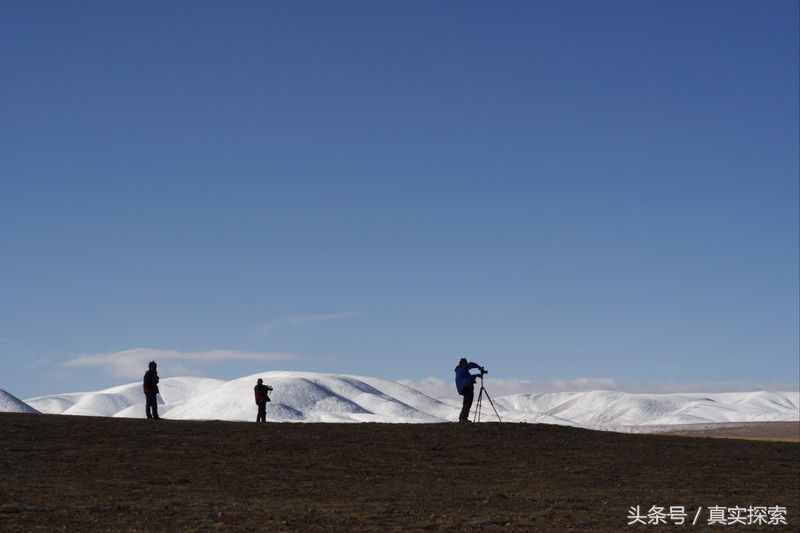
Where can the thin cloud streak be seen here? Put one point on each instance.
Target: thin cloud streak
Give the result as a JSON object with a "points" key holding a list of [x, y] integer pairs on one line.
{"points": [[130, 363]]}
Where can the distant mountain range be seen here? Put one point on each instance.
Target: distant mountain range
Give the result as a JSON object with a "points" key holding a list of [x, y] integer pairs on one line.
{"points": [[315, 397]]}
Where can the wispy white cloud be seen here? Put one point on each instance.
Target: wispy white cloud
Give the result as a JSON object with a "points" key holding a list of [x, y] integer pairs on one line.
{"points": [[299, 320], [132, 363]]}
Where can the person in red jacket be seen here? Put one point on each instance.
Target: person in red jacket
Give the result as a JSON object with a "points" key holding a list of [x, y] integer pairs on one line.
{"points": [[150, 387], [262, 397]]}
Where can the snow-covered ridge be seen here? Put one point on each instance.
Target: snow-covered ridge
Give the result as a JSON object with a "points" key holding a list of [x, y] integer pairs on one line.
{"points": [[297, 397], [316, 397], [11, 404], [613, 408], [124, 400]]}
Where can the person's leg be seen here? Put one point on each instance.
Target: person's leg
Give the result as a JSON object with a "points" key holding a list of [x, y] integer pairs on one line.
{"points": [[467, 404], [262, 413], [468, 400], [152, 406], [147, 407]]}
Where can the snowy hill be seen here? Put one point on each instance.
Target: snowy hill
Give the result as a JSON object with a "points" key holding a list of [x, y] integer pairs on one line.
{"points": [[611, 408], [298, 397], [11, 404], [124, 400], [316, 397]]}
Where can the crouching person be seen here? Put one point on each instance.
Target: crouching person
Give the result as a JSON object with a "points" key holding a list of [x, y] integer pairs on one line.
{"points": [[262, 397]]}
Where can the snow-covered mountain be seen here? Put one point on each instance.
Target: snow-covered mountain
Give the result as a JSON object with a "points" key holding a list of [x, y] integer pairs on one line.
{"points": [[297, 397], [11, 404], [315, 397], [124, 400], [612, 408]]}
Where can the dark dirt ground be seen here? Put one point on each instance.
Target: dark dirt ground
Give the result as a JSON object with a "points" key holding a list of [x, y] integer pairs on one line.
{"points": [[777, 431], [101, 474]]}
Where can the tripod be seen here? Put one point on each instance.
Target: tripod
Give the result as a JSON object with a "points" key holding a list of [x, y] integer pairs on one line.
{"points": [[483, 392]]}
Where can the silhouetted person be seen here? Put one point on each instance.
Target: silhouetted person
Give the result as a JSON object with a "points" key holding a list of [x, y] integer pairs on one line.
{"points": [[151, 391], [262, 397], [465, 384]]}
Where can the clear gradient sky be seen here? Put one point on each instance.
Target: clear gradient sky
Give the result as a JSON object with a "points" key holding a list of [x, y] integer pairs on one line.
{"points": [[560, 190]]}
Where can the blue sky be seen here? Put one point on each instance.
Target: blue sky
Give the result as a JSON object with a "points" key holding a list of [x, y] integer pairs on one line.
{"points": [[561, 191]]}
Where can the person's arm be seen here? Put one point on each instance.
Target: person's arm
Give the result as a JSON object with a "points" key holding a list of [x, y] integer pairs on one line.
{"points": [[474, 365]]}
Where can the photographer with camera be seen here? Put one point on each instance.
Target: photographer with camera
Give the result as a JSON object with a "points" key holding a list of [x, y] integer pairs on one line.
{"points": [[465, 384]]}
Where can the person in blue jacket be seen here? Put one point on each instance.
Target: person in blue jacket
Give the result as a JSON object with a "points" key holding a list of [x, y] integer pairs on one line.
{"points": [[465, 384]]}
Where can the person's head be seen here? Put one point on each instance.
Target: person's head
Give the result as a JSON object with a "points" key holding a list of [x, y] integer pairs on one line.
{"points": [[463, 362], [260, 381], [152, 365]]}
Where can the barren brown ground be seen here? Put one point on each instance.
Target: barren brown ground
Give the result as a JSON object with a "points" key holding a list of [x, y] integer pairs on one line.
{"points": [[776, 431], [100, 474]]}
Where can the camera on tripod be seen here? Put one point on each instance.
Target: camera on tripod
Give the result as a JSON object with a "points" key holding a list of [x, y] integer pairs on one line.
{"points": [[481, 394]]}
